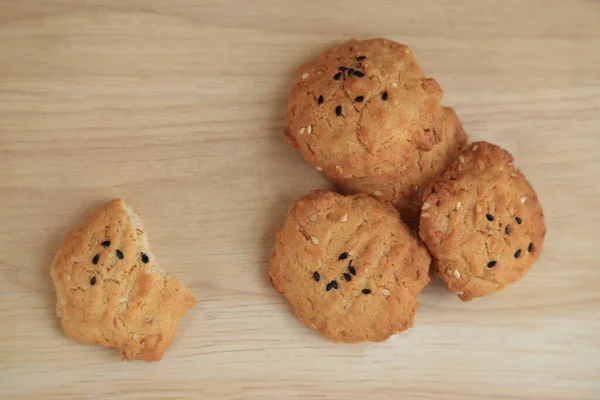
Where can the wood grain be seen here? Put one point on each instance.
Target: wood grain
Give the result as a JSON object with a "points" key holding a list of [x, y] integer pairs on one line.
{"points": [[177, 107]]}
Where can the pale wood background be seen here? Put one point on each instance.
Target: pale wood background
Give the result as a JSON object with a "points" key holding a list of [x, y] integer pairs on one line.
{"points": [[177, 106]]}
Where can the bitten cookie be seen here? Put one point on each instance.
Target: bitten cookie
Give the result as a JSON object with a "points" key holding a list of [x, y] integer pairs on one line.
{"points": [[349, 266], [363, 109], [482, 222], [110, 290], [406, 191]]}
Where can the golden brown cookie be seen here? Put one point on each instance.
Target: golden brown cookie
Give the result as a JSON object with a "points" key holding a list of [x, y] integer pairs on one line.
{"points": [[110, 290], [363, 109], [349, 266], [482, 222], [406, 191]]}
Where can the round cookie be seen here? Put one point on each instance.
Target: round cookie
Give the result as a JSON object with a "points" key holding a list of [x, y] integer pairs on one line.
{"points": [[482, 222], [406, 191], [363, 109], [349, 266]]}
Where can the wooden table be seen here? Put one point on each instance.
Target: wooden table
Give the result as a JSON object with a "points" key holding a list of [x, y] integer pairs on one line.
{"points": [[177, 107]]}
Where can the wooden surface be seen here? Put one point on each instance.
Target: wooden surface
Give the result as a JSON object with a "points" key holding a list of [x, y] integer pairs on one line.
{"points": [[177, 107]]}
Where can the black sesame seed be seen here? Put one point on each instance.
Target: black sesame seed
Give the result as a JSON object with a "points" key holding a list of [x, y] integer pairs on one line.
{"points": [[491, 264], [334, 283], [359, 99], [93, 281], [347, 277], [330, 285], [338, 110], [343, 256], [519, 220], [360, 58], [507, 229], [366, 291], [96, 259], [352, 270], [489, 217], [351, 72], [530, 248], [105, 243], [342, 68], [359, 74], [518, 253], [145, 258], [321, 99], [119, 254], [337, 76], [384, 96], [316, 276]]}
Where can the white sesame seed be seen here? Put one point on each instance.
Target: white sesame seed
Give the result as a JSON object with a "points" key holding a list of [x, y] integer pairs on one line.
{"points": [[513, 175], [313, 217], [314, 239], [309, 129], [478, 208], [338, 167], [425, 215], [305, 75], [481, 165], [426, 205], [350, 176], [394, 84], [407, 51], [68, 277], [135, 336], [377, 193], [301, 131], [385, 292], [456, 273], [523, 199], [63, 302], [319, 169], [458, 205], [461, 292], [123, 300], [461, 159], [344, 218], [475, 147], [148, 270]]}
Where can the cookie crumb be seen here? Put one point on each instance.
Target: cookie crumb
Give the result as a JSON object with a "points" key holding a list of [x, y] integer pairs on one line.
{"points": [[305, 75], [456, 273], [478, 208], [523, 199], [344, 218], [301, 131], [314, 239], [63, 302], [449, 272]]}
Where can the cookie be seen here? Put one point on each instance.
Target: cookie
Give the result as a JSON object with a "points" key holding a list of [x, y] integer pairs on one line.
{"points": [[482, 222], [362, 109], [349, 266], [110, 290], [406, 191]]}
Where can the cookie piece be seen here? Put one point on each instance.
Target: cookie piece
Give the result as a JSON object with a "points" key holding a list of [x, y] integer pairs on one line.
{"points": [[349, 266], [110, 290], [362, 109], [406, 191], [482, 222]]}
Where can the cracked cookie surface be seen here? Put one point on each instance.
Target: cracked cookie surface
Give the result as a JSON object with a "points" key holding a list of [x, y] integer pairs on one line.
{"points": [[406, 191], [110, 290], [349, 266], [362, 109], [482, 222]]}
